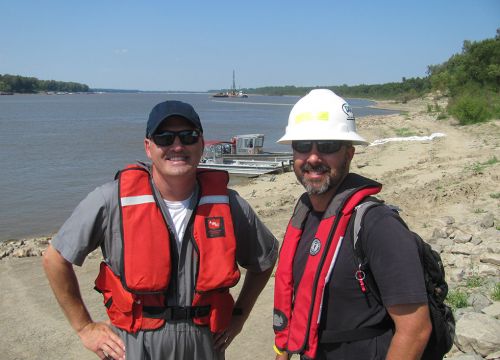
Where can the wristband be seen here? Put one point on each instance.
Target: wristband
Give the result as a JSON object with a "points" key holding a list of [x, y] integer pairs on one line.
{"points": [[277, 351]]}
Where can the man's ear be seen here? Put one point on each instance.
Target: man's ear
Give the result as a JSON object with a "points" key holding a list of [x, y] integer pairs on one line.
{"points": [[350, 150], [202, 144], [147, 147]]}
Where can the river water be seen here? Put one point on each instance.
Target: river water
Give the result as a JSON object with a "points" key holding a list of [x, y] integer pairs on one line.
{"points": [[54, 149]]}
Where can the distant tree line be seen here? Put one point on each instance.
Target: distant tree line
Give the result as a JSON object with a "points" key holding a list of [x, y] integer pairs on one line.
{"points": [[471, 80], [404, 90], [30, 85]]}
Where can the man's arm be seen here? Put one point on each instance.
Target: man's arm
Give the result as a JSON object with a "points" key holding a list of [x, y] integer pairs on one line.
{"points": [[412, 330], [97, 337], [252, 287]]}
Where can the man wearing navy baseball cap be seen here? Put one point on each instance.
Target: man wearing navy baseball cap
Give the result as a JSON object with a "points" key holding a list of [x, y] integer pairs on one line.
{"points": [[166, 109], [172, 237]]}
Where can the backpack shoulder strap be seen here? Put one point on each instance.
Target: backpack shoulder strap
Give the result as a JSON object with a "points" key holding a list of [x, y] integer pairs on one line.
{"points": [[359, 214], [359, 254]]}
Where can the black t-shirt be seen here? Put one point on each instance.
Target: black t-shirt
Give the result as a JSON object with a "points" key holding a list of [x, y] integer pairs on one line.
{"points": [[394, 262]]}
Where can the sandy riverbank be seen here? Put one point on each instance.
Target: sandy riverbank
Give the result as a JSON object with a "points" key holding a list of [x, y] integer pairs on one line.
{"points": [[455, 175]]}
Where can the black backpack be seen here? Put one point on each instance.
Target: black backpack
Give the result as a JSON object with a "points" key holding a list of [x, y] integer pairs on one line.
{"points": [[443, 322]]}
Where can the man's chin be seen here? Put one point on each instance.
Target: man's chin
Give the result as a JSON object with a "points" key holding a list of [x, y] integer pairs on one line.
{"points": [[181, 170], [315, 188]]}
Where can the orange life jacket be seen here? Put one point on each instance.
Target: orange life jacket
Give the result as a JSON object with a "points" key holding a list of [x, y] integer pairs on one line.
{"points": [[297, 314], [146, 265]]}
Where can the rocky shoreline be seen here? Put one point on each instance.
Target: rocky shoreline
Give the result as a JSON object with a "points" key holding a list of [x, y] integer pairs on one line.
{"points": [[448, 191]]}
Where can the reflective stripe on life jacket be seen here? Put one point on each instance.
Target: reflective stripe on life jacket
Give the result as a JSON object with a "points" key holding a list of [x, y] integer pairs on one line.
{"points": [[297, 314], [146, 264]]}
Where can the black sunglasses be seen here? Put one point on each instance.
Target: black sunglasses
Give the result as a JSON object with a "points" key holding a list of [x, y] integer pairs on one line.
{"points": [[167, 137], [323, 146]]}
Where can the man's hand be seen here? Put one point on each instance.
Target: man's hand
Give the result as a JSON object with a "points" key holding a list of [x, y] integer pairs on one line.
{"points": [[283, 356], [224, 338], [252, 287], [100, 338]]}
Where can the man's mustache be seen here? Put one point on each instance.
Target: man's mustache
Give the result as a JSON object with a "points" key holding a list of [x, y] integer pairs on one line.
{"points": [[317, 168]]}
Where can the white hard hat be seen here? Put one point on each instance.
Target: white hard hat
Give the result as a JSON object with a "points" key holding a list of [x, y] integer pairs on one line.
{"points": [[321, 115]]}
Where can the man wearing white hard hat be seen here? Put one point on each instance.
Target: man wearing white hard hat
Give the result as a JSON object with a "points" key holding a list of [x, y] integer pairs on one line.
{"points": [[323, 308]]}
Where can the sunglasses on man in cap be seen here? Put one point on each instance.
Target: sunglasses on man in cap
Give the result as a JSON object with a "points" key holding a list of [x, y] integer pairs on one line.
{"points": [[167, 137]]}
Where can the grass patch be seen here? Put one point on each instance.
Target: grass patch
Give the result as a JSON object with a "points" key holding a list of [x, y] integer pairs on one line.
{"points": [[433, 108], [495, 294], [456, 299], [478, 168], [491, 161], [474, 281], [404, 132], [495, 195], [479, 211], [406, 114]]}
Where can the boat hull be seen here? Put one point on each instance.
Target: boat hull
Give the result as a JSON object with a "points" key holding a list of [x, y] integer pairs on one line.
{"points": [[248, 168]]}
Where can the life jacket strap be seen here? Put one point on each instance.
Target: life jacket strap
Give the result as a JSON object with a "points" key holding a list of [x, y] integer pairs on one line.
{"points": [[175, 312], [369, 332]]}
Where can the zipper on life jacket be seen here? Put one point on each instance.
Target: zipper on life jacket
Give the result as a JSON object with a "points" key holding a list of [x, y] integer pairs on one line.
{"points": [[190, 228]]}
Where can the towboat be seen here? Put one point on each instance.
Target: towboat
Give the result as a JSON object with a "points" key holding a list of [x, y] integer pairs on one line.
{"points": [[233, 93]]}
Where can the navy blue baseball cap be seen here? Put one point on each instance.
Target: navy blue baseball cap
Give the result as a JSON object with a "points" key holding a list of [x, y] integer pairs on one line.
{"points": [[162, 111]]}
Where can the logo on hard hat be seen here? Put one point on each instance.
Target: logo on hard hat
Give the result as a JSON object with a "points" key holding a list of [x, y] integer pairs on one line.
{"points": [[347, 109]]}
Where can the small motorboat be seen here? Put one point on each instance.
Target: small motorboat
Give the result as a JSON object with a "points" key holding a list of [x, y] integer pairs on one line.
{"points": [[243, 155]]}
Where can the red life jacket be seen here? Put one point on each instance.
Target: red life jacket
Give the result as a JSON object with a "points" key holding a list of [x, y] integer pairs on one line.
{"points": [[146, 266], [297, 314]]}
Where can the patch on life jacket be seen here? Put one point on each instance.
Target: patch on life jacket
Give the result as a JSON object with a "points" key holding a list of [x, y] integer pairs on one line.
{"points": [[315, 247], [279, 320], [215, 227]]}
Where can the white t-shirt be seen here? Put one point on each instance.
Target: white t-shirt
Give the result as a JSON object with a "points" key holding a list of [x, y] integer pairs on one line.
{"points": [[178, 212]]}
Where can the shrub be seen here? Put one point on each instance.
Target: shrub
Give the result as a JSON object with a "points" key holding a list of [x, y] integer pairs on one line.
{"points": [[470, 109]]}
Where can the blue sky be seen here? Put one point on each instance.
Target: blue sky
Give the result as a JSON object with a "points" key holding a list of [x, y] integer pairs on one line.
{"points": [[195, 45]]}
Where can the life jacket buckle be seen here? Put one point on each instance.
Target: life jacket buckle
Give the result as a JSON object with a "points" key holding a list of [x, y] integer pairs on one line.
{"points": [[173, 313]]}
